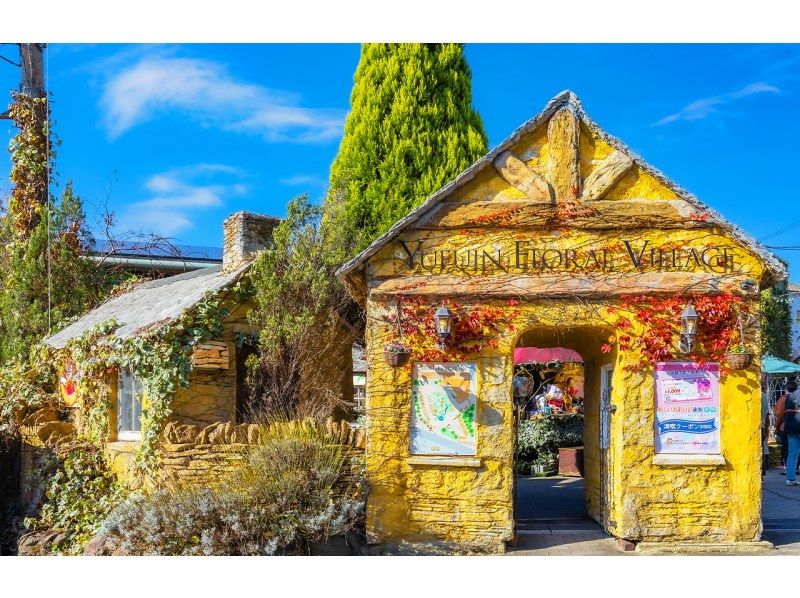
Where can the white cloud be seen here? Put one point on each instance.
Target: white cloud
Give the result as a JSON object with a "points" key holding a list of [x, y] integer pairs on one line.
{"points": [[205, 91], [705, 107], [176, 195], [302, 179]]}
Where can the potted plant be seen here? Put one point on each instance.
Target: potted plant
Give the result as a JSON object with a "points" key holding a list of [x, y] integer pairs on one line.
{"points": [[738, 357], [396, 353]]}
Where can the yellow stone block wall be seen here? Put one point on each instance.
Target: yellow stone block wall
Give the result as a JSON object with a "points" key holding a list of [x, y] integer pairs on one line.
{"points": [[696, 503], [190, 455], [474, 504], [211, 394], [423, 502], [463, 504]]}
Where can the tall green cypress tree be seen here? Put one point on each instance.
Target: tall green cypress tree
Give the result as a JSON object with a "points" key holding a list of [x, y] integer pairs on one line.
{"points": [[411, 129]]}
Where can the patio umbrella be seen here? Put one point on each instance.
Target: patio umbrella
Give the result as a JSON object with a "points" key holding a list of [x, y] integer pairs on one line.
{"points": [[777, 370], [776, 367], [528, 355]]}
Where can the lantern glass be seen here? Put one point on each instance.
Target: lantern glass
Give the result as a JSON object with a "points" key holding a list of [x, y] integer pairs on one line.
{"points": [[689, 319], [443, 321]]}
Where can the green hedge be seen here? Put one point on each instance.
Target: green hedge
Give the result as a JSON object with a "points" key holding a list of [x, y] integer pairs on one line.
{"points": [[539, 439]]}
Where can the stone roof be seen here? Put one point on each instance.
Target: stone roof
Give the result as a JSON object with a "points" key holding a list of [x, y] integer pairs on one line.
{"points": [[150, 303], [776, 268]]}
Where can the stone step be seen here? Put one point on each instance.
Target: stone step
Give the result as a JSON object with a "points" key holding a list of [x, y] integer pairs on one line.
{"points": [[554, 520], [557, 526]]}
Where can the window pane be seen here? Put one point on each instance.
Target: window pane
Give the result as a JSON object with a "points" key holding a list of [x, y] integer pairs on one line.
{"points": [[124, 400], [137, 406]]}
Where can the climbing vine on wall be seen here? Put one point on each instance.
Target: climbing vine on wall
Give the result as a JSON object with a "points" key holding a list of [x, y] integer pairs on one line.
{"points": [[26, 385], [161, 359], [658, 321], [472, 328]]}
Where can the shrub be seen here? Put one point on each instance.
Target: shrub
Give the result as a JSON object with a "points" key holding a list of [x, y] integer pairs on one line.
{"points": [[189, 522], [539, 439], [306, 322], [289, 494], [80, 493]]}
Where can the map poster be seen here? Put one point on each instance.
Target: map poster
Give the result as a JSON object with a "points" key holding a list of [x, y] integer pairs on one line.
{"points": [[444, 398], [687, 408]]}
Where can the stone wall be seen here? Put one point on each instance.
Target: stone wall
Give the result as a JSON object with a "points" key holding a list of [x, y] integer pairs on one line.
{"points": [[39, 432], [211, 395], [190, 454]]}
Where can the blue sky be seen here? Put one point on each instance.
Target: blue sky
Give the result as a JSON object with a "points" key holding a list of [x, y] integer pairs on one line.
{"points": [[174, 138]]}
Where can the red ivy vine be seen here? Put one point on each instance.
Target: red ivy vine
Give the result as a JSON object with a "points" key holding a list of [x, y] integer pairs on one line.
{"points": [[660, 319], [472, 328]]}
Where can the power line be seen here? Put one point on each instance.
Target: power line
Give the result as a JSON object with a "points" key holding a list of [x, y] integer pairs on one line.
{"points": [[785, 229], [9, 61]]}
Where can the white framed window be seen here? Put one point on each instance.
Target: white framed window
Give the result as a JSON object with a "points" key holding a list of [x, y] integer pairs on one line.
{"points": [[360, 396], [129, 406]]}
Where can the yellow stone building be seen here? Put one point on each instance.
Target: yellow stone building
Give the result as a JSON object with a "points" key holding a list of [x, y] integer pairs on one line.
{"points": [[215, 394], [207, 421], [560, 236]]}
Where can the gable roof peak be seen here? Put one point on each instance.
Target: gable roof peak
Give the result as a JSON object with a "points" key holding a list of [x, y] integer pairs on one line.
{"points": [[565, 98]]}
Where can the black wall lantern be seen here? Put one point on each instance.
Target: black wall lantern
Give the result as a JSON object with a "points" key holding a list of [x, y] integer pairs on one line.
{"points": [[443, 320], [689, 320]]}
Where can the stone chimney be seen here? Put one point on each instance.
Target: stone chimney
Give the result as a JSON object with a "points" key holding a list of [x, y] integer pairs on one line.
{"points": [[244, 234]]}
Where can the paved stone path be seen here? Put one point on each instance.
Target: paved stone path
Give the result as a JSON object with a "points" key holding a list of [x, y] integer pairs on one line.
{"points": [[781, 513], [541, 532]]}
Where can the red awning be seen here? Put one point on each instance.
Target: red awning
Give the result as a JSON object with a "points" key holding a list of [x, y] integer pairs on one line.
{"points": [[545, 355]]}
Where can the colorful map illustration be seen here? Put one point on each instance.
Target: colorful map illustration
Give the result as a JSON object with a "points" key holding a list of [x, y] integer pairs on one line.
{"points": [[444, 397]]}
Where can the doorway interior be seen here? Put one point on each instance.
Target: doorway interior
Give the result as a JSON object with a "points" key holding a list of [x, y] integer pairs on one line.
{"points": [[562, 397]]}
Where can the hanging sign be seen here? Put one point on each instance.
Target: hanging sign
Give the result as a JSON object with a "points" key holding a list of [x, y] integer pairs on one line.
{"points": [[444, 398], [687, 408]]}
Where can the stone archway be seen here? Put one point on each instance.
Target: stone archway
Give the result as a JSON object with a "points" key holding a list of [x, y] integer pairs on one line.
{"points": [[587, 341]]}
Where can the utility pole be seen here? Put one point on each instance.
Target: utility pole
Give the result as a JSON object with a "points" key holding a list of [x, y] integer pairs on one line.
{"points": [[31, 57], [31, 61]]}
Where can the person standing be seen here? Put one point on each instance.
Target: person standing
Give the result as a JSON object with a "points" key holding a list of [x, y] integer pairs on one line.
{"points": [[789, 420], [780, 436]]}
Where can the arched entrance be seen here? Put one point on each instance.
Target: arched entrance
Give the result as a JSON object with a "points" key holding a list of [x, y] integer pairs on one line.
{"points": [[571, 385]]}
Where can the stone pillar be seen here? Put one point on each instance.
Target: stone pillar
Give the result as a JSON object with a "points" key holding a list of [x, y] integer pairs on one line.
{"points": [[245, 234]]}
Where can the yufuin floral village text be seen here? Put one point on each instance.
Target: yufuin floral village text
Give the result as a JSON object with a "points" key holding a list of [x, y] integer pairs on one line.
{"points": [[525, 256]]}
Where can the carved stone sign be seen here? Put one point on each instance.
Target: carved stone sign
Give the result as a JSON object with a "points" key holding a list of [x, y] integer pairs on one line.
{"points": [[525, 256]]}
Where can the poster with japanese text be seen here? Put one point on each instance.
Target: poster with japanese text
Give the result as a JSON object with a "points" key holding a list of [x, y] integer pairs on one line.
{"points": [[687, 408]]}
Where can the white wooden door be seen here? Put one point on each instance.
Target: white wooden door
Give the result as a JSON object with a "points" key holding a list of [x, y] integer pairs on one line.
{"points": [[606, 481]]}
